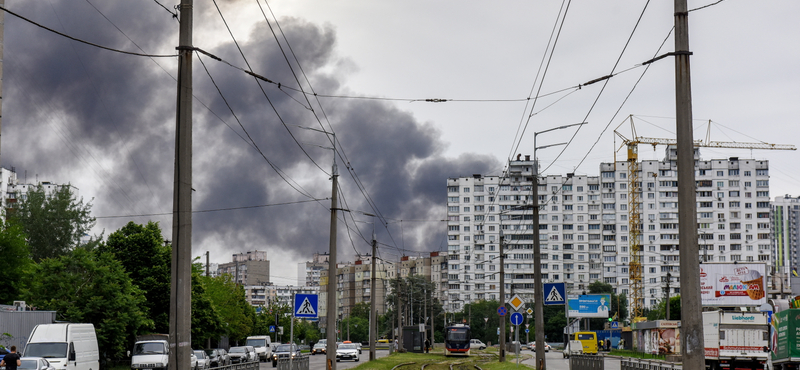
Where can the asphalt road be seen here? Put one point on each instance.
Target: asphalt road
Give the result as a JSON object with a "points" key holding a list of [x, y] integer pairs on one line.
{"points": [[556, 361]]}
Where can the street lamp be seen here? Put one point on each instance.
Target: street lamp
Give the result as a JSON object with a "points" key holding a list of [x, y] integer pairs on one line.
{"points": [[537, 265]]}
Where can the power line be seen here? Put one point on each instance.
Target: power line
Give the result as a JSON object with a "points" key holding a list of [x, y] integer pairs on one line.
{"points": [[220, 209], [87, 42]]}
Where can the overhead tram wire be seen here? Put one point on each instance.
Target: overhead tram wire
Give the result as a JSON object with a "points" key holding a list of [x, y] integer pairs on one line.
{"points": [[519, 135], [297, 187], [87, 42], [605, 83], [618, 110], [220, 209], [274, 108]]}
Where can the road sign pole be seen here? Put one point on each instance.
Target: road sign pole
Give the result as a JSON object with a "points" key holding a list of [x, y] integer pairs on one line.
{"points": [[291, 334]]}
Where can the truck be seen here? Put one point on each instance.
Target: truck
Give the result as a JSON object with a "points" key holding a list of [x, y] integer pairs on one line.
{"points": [[150, 352], [784, 339], [263, 346], [66, 346], [735, 340]]}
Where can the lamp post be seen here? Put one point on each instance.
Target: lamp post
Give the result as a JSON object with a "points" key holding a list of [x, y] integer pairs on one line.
{"points": [[537, 265]]}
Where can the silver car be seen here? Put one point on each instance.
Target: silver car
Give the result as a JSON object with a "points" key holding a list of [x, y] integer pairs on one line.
{"points": [[239, 355], [34, 363], [203, 362]]}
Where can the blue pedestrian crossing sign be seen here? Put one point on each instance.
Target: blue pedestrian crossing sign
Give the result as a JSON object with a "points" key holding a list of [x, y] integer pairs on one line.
{"points": [[516, 318], [555, 293], [615, 325], [272, 328], [305, 305]]}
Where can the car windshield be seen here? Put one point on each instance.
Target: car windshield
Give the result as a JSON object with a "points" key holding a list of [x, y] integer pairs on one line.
{"points": [[320, 345], [257, 342], [211, 352], [237, 350], [47, 350], [200, 354], [148, 348], [347, 346], [29, 365], [284, 348]]}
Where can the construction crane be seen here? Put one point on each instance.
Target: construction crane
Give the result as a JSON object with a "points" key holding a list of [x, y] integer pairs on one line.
{"points": [[635, 268]]}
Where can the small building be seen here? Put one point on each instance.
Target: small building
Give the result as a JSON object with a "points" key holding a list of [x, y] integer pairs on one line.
{"points": [[660, 337]]}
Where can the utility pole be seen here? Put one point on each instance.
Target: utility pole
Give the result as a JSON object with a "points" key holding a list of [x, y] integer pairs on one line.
{"points": [[208, 272], [668, 278], [330, 346], [373, 309], [691, 322], [399, 303], [538, 287], [180, 307], [2, 42], [502, 297]]}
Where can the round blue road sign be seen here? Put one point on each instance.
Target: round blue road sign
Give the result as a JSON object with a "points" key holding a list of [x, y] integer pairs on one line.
{"points": [[516, 318]]}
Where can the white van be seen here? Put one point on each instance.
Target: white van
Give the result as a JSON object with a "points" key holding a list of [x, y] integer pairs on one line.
{"points": [[150, 354], [65, 346], [263, 346]]}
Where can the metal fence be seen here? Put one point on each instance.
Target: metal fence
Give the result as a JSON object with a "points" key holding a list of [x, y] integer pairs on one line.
{"points": [[586, 362], [638, 364], [253, 365], [298, 363]]}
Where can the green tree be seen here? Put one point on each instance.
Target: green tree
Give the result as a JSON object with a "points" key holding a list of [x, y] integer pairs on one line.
{"points": [[659, 311], [141, 250], [15, 260], [206, 322], [91, 287], [238, 317], [54, 224]]}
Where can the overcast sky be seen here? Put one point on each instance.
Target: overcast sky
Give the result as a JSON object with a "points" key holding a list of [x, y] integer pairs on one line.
{"points": [[104, 121]]}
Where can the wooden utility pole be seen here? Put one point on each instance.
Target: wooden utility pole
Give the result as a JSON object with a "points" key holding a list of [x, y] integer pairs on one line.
{"points": [[330, 346], [180, 308], [691, 320]]}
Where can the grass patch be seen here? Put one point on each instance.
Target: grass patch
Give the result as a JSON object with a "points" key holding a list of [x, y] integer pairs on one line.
{"points": [[443, 362], [634, 354]]}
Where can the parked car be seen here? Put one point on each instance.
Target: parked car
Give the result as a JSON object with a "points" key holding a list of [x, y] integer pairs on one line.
{"points": [[319, 348], [476, 343], [285, 351], [252, 351], [192, 360], [239, 355], [203, 362], [35, 363], [347, 351], [225, 358], [213, 357], [532, 346]]}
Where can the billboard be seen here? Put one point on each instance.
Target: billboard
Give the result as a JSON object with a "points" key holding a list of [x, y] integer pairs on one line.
{"points": [[729, 284], [592, 305]]}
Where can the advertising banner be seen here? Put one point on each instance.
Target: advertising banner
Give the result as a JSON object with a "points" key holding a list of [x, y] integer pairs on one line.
{"points": [[728, 284], [592, 305]]}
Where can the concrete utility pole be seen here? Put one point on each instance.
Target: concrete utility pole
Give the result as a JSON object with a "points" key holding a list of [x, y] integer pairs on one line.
{"points": [[2, 42], [691, 320], [180, 302], [399, 304], [373, 309], [502, 319], [538, 286], [330, 346]]}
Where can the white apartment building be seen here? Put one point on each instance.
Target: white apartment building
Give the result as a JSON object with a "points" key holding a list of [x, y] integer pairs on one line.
{"points": [[583, 226]]}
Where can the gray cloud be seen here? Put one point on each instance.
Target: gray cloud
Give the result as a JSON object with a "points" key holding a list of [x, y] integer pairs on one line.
{"points": [[106, 122]]}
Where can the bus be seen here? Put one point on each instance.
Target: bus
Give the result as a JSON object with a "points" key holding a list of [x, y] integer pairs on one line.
{"points": [[589, 341], [456, 340]]}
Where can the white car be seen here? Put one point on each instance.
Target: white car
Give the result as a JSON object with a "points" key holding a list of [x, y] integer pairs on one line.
{"points": [[203, 362], [347, 351], [532, 346], [476, 343], [193, 361], [574, 347], [34, 363]]}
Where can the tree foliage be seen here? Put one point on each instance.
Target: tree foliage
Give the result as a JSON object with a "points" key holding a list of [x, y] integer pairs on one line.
{"points": [[15, 260], [141, 251], [91, 287], [53, 223], [235, 314], [659, 311]]}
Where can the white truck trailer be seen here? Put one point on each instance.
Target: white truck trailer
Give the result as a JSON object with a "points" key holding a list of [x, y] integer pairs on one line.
{"points": [[736, 339]]}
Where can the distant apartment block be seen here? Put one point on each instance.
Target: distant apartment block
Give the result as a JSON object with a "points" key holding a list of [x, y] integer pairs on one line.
{"points": [[251, 268], [584, 226]]}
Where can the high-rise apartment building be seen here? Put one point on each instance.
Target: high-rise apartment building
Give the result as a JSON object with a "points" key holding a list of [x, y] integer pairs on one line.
{"points": [[785, 225], [308, 273], [584, 226], [251, 268]]}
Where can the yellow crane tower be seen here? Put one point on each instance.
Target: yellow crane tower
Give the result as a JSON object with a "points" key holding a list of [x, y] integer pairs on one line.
{"points": [[636, 248]]}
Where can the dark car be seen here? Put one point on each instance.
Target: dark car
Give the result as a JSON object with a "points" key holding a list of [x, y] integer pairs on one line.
{"points": [[284, 351], [239, 355], [214, 357]]}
